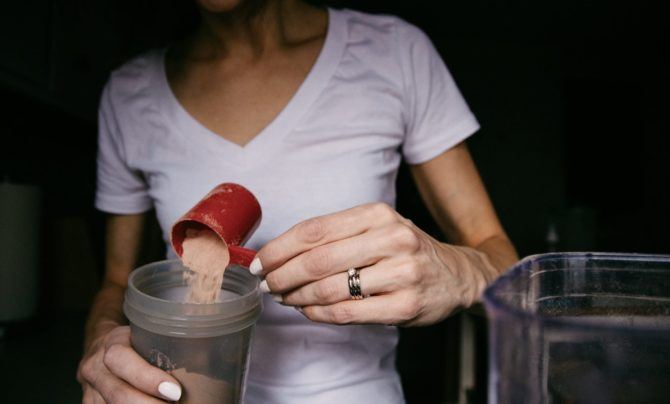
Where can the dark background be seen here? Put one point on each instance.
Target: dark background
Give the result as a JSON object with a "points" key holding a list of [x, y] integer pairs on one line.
{"points": [[571, 95]]}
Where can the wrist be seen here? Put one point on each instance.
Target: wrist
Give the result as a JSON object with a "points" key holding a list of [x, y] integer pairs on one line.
{"points": [[106, 315], [472, 268], [97, 333]]}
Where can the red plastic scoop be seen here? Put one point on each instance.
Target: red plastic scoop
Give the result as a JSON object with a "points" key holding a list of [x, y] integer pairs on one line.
{"points": [[229, 210]]}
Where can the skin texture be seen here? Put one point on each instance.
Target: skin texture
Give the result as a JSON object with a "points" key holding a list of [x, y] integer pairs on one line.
{"points": [[216, 75], [237, 73], [411, 278], [111, 371]]}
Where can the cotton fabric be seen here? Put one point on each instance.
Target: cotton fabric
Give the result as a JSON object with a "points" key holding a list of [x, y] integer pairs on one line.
{"points": [[377, 92]]}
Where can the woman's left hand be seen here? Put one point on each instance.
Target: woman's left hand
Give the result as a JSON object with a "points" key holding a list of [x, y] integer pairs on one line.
{"points": [[406, 276]]}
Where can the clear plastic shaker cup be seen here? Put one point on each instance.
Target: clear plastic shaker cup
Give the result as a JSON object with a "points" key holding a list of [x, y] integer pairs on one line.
{"points": [[580, 328], [204, 346]]}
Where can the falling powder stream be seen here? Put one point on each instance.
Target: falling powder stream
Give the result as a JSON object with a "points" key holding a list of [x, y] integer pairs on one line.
{"points": [[206, 255]]}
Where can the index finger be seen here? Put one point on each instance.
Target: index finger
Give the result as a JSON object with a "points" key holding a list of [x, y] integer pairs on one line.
{"points": [[128, 365], [321, 230], [125, 363], [115, 390]]}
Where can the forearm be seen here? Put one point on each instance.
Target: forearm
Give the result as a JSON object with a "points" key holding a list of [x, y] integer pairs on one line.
{"points": [[106, 312], [455, 195], [500, 252], [122, 247]]}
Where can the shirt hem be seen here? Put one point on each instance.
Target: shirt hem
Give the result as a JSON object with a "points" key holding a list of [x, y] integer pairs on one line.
{"points": [[121, 207], [464, 130]]}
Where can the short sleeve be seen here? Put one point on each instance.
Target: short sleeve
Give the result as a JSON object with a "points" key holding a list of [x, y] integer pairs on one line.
{"points": [[120, 189], [437, 117]]}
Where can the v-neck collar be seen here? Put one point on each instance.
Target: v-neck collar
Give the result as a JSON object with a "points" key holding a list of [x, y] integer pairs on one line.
{"points": [[316, 80]]}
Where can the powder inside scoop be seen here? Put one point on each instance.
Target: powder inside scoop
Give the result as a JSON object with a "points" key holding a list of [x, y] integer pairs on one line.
{"points": [[206, 255]]}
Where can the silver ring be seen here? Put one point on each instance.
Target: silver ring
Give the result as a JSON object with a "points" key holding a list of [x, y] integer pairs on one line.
{"points": [[354, 284]]}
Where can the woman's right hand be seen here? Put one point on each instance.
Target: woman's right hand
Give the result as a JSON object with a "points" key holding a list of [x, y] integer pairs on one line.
{"points": [[112, 372]]}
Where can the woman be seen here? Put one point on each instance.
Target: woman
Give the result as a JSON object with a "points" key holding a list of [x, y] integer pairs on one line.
{"points": [[308, 108]]}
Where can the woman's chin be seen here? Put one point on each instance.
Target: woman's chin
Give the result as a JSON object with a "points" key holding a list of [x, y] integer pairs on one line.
{"points": [[219, 6]]}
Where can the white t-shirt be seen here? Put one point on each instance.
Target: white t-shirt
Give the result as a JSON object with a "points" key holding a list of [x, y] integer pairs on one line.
{"points": [[378, 89]]}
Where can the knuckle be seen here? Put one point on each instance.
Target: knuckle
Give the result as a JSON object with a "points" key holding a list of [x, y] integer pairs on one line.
{"points": [[86, 369], [411, 273], [276, 283], [326, 292], [317, 261], [87, 395], [410, 308], [118, 335], [118, 396], [383, 212], [111, 355], [307, 312], [406, 237], [311, 230], [270, 250], [341, 314]]}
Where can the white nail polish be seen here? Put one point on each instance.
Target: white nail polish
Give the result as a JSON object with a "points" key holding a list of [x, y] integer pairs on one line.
{"points": [[170, 390], [256, 268], [264, 286], [277, 297]]}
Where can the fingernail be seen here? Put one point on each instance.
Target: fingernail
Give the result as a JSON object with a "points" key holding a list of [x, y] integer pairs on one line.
{"points": [[264, 286], [255, 267], [277, 297], [170, 390]]}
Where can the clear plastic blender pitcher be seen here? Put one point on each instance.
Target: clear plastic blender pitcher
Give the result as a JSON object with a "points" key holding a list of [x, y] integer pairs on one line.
{"points": [[581, 328], [204, 346]]}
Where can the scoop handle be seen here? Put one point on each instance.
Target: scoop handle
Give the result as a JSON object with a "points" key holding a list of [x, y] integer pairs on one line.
{"points": [[240, 255]]}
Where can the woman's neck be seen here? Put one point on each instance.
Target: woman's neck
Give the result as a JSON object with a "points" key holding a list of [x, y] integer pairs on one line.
{"points": [[256, 27]]}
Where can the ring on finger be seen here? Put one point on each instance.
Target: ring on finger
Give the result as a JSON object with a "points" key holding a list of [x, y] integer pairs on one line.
{"points": [[354, 282]]}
